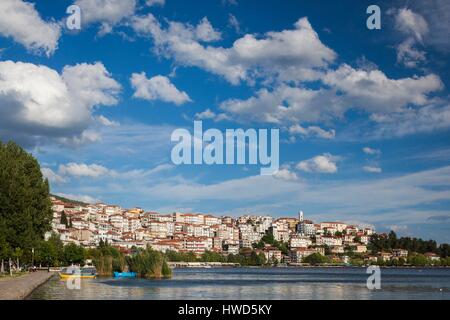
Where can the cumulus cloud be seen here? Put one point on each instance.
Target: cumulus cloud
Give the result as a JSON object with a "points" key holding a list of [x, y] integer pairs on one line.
{"points": [[312, 131], [369, 90], [373, 91], [325, 163], [208, 114], [22, 22], [204, 31], [91, 84], [286, 104], [303, 58], [37, 103], [157, 88], [248, 57], [106, 12], [285, 174], [52, 176], [427, 119], [83, 170], [372, 169]]}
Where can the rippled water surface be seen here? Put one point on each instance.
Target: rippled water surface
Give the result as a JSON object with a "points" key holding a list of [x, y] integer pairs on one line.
{"points": [[261, 283]]}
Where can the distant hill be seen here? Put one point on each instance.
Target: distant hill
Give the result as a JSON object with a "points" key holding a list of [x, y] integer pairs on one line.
{"points": [[69, 201]]}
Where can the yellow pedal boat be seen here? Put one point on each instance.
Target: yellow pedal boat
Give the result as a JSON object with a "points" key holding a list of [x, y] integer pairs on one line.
{"points": [[81, 273]]}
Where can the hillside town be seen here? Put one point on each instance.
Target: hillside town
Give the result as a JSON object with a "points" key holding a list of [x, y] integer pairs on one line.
{"points": [[91, 224]]}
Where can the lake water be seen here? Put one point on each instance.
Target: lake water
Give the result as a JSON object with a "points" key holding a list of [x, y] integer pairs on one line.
{"points": [[261, 283]]}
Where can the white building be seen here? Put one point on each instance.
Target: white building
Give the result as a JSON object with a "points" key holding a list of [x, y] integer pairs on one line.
{"points": [[306, 228]]}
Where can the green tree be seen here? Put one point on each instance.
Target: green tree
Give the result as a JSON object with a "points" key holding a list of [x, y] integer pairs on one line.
{"points": [[315, 258], [418, 260], [268, 238], [64, 220], [25, 206], [73, 254], [444, 250]]}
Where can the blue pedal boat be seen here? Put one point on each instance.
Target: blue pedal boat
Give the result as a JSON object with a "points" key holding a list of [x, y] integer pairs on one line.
{"points": [[125, 274]]}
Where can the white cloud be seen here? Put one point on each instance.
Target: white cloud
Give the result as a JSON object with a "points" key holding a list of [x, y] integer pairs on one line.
{"points": [[211, 115], [285, 104], [106, 12], [52, 176], [205, 31], [374, 92], [106, 122], [22, 22], [415, 27], [427, 119], [157, 88], [371, 151], [372, 169], [312, 131], [369, 90], [207, 114], [300, 46], [249, 57], [408, 55], [38, 103], [91, 84], [180, 42], [437, 15], [83, 170], [411, 23], [285, 174], [325, 163]]}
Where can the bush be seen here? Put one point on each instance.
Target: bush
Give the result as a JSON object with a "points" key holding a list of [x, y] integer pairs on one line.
{"points": [[315, 258]]}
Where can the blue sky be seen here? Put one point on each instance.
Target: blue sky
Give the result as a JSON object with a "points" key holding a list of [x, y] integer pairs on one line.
{"points": [[364, 115]]}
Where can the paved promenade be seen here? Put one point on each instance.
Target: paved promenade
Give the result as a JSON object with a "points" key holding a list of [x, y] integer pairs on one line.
{"points": [[19, 288]]}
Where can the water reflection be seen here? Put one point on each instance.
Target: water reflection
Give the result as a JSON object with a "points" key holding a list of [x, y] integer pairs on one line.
{"points": [[272, 283]]}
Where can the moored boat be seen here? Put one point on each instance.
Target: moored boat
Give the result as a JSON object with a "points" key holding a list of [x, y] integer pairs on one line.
{"points": [[87, 272], [124, 274]]}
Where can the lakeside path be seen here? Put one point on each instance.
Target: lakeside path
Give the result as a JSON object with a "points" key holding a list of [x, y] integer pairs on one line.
{"points": [[19, 288]]}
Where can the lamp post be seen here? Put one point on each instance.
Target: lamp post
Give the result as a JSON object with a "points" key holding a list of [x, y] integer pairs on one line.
{"points": [[32, 257]]}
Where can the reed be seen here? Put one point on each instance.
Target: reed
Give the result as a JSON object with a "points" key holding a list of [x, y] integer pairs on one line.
{"points": [[149, 264]]}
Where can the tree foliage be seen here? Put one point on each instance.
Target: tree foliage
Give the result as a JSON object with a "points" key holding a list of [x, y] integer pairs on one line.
{"points": [[25, 207], [316, 258], [382, 242]]}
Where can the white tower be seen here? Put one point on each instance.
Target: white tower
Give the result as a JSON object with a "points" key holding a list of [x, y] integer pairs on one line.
{"points": [[300, 216]]}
